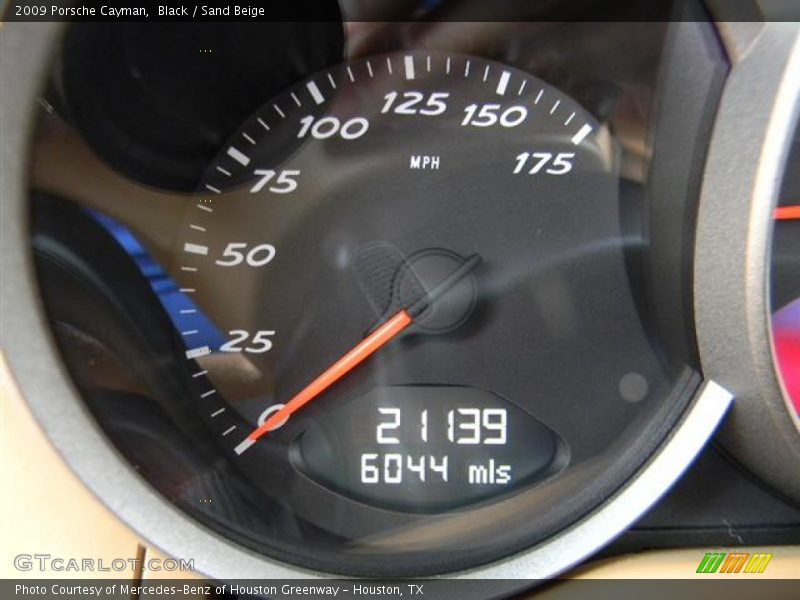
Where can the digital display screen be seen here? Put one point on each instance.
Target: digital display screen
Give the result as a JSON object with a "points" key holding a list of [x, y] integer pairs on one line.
{"points": [[427, 448]]}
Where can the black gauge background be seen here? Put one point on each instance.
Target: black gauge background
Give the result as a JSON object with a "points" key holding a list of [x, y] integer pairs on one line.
{"points": [[128, 426], [533, 237]]}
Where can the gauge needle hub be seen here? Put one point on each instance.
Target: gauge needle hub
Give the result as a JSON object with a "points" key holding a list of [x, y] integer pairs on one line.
{"points": [[362, 351]]}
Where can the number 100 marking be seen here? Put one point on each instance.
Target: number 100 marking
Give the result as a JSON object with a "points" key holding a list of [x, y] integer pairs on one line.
{"points": [[327, 127]]}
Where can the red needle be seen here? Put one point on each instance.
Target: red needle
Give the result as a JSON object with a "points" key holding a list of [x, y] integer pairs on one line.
{"points": [[787, 213], [362, 351]]}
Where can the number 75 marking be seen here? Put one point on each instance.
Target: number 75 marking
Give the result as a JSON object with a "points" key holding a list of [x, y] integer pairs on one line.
{"points": [[284, 184]]}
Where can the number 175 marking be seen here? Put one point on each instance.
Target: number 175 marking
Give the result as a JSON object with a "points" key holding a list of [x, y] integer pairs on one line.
{"points": [[544, 162]]}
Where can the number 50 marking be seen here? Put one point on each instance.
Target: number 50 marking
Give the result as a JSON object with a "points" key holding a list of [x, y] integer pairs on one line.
{"points": [[237, 253]]}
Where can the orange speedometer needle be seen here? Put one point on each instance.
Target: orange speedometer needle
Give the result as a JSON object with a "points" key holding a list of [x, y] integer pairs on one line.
{"points": [[361, 352], [787, 213]]}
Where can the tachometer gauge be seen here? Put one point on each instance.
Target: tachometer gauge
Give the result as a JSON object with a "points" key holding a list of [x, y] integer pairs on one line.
{"points": [[785, 290]]}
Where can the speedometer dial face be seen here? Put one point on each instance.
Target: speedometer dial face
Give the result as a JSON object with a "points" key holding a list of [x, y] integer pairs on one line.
{"points": [[419, 413], [409, 319]]}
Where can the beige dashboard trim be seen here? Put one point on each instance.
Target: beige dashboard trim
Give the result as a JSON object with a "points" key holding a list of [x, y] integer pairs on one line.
{"points": [[44, 508]]}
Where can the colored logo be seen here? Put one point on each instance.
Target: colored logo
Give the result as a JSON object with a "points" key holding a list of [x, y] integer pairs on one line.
{"points": [[734, 562]]}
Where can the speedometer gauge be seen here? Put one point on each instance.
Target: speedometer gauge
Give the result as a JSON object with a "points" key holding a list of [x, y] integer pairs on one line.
{"points": [[437, 166], [423, 331], [367, 313]]}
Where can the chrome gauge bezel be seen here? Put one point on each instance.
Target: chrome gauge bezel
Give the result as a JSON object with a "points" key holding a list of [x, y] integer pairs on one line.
{"points": [[770, 108]]}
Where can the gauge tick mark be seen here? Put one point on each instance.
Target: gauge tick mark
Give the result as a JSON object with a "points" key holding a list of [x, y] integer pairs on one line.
{"points": [[503, 83], [195, 249], [315, 93], [197, 353], [238, 156], [409, 63], [581, 135]]}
